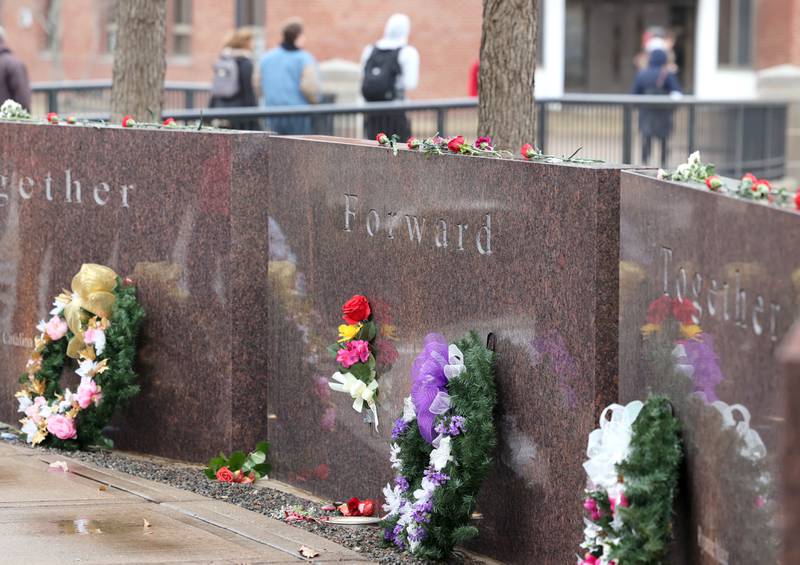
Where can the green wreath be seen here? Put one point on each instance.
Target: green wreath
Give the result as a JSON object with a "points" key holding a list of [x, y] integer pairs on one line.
{"points": [[632, 487], [96, 324], [453, 395]]}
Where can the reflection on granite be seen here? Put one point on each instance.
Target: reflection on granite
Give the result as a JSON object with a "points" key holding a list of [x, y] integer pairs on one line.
{"points": [[184, 215], [526, 250], [732, 300], [789, 356]]}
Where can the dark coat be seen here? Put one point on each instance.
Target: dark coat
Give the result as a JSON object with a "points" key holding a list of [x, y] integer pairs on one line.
{"points": [[244, 97], [656, 79], [14, 82]]}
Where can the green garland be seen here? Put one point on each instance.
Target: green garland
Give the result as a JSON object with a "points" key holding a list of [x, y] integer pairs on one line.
{"points": [[447, 521], [640, 530], [117, 382]]}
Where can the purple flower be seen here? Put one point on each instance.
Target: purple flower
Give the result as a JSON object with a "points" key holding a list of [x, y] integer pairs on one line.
{"points": [[700, 354], [388, 535], [456, 425], [400, 426], [436, 477], [428, 379], [418, 535], [397, 535], [401, 482]]}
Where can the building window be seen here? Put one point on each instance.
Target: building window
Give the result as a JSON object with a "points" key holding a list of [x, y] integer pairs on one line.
{"points": [[736, 33], [181, 27], [250, 13], [109, 26]]}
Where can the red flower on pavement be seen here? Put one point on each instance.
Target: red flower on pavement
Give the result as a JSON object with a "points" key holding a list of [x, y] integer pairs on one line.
{"points": [[527, 151], [52, 118], [128, 122], [224, 475], [714, 183], [455, 144]]}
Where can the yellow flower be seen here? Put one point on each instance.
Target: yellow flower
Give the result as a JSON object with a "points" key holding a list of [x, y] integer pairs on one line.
{"points": [[690, 330], [650, 329], [348, 332]]}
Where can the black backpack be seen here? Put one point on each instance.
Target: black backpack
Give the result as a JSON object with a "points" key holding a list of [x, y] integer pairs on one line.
{"points": [[380, 75]]}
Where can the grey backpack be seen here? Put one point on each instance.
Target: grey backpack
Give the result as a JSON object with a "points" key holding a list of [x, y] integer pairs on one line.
{"points": [[226, 77]]}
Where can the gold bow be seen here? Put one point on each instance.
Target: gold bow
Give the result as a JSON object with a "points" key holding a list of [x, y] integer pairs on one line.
{"points": [[92, 291]]}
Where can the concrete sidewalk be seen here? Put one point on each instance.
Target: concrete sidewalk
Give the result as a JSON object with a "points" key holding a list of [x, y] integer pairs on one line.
{"points": [[91, 515]]}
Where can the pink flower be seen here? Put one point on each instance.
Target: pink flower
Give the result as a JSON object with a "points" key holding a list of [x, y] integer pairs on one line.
{"points": [[355, 351], [591, 506], [484, 142], [88, 392], [589, 559], [62, 427], [32, 411], [619, 501], [56, 328], [322, 389]]}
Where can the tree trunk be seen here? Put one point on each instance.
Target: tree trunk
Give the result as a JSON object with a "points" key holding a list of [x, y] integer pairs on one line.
{"points": [[505, 80], [139, 60]]}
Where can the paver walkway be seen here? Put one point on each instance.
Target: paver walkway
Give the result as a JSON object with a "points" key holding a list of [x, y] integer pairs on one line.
{"points": [[91, 515]]}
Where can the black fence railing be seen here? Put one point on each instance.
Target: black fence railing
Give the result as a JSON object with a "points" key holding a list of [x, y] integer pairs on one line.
{"points": [[738, 135]]}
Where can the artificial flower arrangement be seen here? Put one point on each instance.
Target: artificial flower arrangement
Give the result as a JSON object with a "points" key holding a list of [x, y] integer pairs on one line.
{"points": [[355, 352], [240, 468], [442, 447], [96, 324], [632, 469], [749, 186]]}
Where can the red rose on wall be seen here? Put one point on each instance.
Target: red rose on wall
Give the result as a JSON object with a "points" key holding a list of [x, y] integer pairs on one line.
{"points": [[455, 144], [356, 309], [224, 475], [52, 118], [714, 183], [683, 310], [797, 199], [527, 151], [659, 310]]}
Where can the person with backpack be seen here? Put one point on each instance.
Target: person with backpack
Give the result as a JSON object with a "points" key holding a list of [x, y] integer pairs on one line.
{"points": [[391, 69], [289, 78], [656, 122], [14, 83], [232, 85]]}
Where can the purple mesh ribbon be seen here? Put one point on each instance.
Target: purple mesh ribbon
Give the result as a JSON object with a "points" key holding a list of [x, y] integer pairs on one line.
{"points": [[701, 356], [428, 380]]}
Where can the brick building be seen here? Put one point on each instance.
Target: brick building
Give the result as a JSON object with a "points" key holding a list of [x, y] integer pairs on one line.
{"points": [[726, 48]]}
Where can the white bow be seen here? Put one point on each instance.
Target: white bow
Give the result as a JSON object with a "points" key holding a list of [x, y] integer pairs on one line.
{"points": [[455, 361], [360, 391], [610, 444]]}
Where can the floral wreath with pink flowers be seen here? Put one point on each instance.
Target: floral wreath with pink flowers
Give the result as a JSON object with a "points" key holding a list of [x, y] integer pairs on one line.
{"points": [[632, 479], [96, 324]]}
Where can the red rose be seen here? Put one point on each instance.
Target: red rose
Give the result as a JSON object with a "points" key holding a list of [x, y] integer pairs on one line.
{"points": [[128, 122], [658, 310], [413, 143], [714, 183], [750, 176], [367, 507], [239, 477], [484, 142], [224, 475], [352, 507], [342, 508], [527, 151], [382, 138], [52, 118], [455, 144], [797, 199], [683, 310], [170, 122], [72, 120], [356, 309]]}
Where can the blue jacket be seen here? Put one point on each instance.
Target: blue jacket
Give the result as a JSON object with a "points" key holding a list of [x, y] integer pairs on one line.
{"points": [[281, 71]]}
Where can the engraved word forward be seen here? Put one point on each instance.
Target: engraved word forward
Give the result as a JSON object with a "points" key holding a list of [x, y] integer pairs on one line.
{"points": [[725, 301], [65, 187], [437, 232]]}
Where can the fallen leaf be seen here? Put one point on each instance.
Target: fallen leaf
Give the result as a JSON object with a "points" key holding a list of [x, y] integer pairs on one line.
{"points": [[59, 465], [147, 527], [308, 553], [103, 487]]}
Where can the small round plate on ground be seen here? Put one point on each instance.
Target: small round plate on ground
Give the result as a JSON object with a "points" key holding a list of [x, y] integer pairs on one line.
{"points": [[353, 520]]}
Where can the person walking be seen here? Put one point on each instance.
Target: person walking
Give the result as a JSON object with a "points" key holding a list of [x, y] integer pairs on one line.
{"points": [[391, 69], [656, 122], [14, 83], [289, 78], [232, 86]]}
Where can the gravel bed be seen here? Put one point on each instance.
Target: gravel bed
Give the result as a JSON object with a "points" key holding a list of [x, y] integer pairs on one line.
{"points": [[367, 540]]}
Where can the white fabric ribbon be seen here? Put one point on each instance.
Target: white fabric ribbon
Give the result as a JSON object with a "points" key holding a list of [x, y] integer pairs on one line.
{"points": [[441, 403], [610, 443], [360, 391], [455, 364]]}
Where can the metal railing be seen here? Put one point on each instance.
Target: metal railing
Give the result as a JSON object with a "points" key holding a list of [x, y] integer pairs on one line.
{"points": [[738, 135]]}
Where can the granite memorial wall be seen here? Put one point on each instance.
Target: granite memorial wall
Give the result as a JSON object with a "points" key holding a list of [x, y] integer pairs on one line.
{"points": [[730, 272], [183, 215], [527, 251]]}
